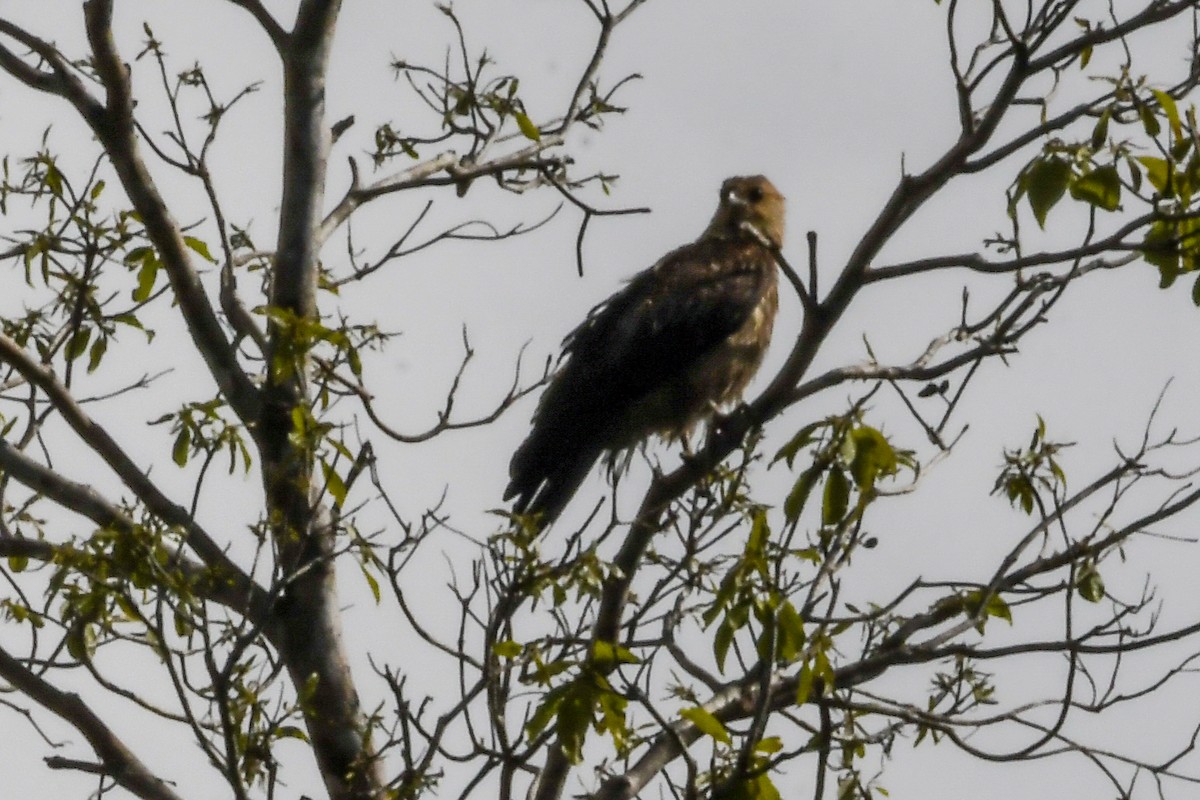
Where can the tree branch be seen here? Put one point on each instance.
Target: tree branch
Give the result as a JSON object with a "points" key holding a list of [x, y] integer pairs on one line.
{"points": [[244, 598], [1154, 13], [99, 440], [303, 531], [118, 761], [274, 31], [114, 126], [63, 80]]}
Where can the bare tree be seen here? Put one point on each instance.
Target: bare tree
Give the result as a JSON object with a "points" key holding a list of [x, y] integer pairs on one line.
{"points": [[704, 646]]}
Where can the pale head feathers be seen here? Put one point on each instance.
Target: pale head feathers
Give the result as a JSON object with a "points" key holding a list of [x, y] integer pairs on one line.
{"points": [[749, 202]]}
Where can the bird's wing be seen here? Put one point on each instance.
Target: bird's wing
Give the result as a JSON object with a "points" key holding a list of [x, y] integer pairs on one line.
{"points": [[666, 319]]}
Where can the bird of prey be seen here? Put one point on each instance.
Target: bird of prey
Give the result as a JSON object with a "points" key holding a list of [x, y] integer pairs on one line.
{"points": [[679, 341]]}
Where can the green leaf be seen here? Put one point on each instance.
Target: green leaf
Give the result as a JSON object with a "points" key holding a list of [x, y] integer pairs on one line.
{"points": [[612, 717], [290, 732], [574, 716], [1174, 247], [1135, 174], [53, 179], [138, 254], [798, 496], [837, 497], [1180, 149], [722, 640], [507, 649], [707, 724], [146, 276], [200, 247], [545, 712], [1160, 251], [179, 453], [1101, 187], [99, 347], [1157, 170], [334, 484], [763, 788], [527, 127], [542, 672], [1089, 584], [823, 668], [607, 654], [1196, 291], [756, 542], [771, 744], [127, 608], [81, 641], [801, 438], [804, 684], [1100, 132], [997, 607], [873, 456], [371, 582], [1149, 121], [973, 606], [1020, 490], [1171, 110], [791, 636], [809, 554], [130, 320], [1045, 183], [78, 343]]}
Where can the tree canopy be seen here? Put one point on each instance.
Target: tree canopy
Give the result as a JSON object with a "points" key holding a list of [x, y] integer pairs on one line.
{"points": [[223, 574]]}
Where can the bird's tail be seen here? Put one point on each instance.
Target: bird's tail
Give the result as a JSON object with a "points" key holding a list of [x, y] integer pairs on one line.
{"points": [[545, 474]]}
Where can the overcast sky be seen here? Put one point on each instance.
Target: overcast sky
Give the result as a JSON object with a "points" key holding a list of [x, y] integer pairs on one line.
{"points": [[825, 98]]}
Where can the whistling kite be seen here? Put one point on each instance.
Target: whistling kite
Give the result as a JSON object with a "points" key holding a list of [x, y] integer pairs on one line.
{"points": [[681, 339]]}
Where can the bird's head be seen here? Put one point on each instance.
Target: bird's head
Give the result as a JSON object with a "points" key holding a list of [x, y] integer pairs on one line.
{"points": [[750, 206]]}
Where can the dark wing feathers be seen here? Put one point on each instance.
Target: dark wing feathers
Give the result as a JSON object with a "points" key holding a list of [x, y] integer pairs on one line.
{"points": [[665, 319], [645, 336]]}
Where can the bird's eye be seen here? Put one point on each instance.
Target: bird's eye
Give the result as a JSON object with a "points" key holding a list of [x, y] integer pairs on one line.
{"points": [[755, 194]]}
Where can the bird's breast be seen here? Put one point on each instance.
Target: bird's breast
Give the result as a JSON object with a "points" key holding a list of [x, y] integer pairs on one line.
{"points": [[732, 364]]}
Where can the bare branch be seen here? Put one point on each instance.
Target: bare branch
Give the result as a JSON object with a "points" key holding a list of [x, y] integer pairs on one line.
{"points": [[356, 195], [444, 422], [117, 761], [115, 128], [63, 80], [278, 36]]}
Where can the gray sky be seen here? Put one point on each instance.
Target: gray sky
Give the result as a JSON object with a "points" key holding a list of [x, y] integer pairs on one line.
{"points": [[824, 98]]}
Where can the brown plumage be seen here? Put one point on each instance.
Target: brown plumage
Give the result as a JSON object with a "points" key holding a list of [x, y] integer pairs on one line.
{"points": [[680, 340]]}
